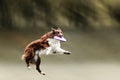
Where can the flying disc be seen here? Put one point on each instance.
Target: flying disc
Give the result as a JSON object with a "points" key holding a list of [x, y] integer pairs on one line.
{"points": [[60, 38]]}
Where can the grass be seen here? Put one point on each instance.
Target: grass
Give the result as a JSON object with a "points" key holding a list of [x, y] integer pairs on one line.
{"points": [[95, 56], [81, 71]]}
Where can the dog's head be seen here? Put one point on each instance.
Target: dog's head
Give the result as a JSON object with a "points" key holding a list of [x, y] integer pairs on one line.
{"points": [[57, 34]]}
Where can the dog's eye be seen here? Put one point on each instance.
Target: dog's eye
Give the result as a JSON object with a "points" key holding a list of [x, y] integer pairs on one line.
{"points": [[53, 32]]}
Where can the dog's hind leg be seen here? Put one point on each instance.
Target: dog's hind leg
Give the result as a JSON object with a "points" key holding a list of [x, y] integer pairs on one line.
{"points": [[28, 63], [38, 61]]}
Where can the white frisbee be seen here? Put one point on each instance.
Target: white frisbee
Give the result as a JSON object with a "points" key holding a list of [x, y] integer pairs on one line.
{"points": [[60, 38]]}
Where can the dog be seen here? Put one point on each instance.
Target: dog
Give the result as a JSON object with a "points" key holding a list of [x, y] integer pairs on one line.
{"points": [[48, 44]]}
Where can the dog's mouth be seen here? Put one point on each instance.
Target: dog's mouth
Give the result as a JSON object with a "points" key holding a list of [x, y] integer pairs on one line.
{"points": [[61, 38]]}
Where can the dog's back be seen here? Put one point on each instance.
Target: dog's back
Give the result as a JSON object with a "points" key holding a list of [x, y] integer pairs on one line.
{"points": [[30, 49]]}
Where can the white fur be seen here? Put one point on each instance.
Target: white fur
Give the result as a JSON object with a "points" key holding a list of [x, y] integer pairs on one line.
{"points": [[54, 48]]}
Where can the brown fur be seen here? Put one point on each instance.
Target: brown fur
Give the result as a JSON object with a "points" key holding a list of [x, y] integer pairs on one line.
{"points": [[39, 44]]}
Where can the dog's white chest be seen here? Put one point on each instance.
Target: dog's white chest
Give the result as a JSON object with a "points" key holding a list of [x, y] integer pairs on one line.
{"points": [[54, 44]]}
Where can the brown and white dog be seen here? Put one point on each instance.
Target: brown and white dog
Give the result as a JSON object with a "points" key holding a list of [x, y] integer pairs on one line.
{"points": [[49, 43]]}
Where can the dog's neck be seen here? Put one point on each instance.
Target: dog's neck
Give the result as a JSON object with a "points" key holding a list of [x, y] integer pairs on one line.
{"points": [[49, 37], [52, 41], [46, 36]]}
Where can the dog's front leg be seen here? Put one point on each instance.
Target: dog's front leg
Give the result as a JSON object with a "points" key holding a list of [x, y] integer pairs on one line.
{"points": [[67, 52], [62, 51]]}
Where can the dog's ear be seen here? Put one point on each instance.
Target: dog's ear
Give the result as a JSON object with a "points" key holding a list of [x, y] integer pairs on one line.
{"points": [[59, 28], [52, 29]]}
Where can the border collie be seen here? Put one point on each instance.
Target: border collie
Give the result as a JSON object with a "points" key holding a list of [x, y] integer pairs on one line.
{"points": [[48, 44]]}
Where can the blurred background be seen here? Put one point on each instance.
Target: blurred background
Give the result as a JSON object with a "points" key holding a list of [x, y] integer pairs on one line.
{"points": [[92, 28]]}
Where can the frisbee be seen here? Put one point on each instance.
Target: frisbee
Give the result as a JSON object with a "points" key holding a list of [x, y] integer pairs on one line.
{"points": [[60, 38]]}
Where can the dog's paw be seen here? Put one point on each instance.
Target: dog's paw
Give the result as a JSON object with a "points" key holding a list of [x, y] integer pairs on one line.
{"points": [[42, 73], [67, 53], [29, 67]]}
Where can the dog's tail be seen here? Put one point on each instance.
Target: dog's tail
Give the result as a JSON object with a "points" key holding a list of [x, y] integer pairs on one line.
{"points": [[23, 57]]}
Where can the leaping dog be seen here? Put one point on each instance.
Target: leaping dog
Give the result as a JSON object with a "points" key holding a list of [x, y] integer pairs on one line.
{"points": [[48, 44]]}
